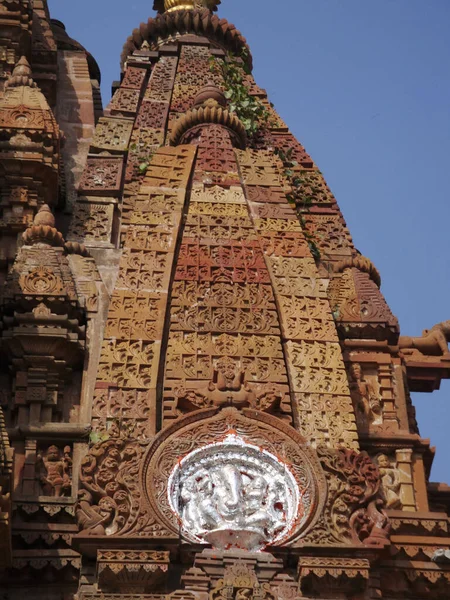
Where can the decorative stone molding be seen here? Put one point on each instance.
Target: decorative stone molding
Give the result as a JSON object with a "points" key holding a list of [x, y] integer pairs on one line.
{"points": [[172, 25], [361, 263], [130, 571], [329, 575], [210, 112]]}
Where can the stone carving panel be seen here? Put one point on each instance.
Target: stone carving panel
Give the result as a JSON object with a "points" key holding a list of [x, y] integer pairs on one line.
{"points": [[326, 420], [109, 493], [112, 134], [354, 510], [144, 270], [233, 494], [125, 100], [257, 435], [134, 78], [128, 363], [91, 221], [125, 412], [161, 80], [54, 471], [152, 114], [102, 175]]}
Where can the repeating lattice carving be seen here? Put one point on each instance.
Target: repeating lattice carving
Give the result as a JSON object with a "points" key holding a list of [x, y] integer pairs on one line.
{"points": [[142, 269], [161, 80], [134, 78], [102, 175], [152, 114], [227, 228], [222, 294], [216, 194], [330, 234], [326, 420], [91, 221], [126, 379], [183, 97], [135, 315], [127, 364], [112, 134], [215, 157], [258, 193], [236, 263], [125, 100], [127, 411], [285, 244]]}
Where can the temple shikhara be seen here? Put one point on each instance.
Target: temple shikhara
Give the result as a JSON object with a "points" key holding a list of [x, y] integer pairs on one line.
{"points": [[203, 392]]}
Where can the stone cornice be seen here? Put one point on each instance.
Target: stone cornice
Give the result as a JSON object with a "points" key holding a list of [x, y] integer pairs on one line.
{"points": [[209, 113], [172, 25]]}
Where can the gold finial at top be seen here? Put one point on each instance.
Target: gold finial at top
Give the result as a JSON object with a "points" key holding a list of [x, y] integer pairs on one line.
{"points": [[172, 5]]}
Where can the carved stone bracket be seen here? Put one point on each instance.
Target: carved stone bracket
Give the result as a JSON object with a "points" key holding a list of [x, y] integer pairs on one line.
{"points": [[130, 571], [325, 575]]}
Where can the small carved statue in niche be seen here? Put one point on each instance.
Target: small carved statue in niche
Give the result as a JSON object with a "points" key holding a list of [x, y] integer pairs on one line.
{"points": [[54, 470], [390, 481], [229, 387], [369, 403]]}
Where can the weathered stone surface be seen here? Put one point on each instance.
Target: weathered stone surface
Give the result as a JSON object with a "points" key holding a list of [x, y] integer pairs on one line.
{"points": [[207, 358]]}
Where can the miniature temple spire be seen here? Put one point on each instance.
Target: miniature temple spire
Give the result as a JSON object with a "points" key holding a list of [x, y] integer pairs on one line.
{"points": [[21, 75]]}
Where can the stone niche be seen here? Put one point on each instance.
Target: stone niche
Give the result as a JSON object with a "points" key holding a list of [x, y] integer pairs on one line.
{"points": [[233, 481]]}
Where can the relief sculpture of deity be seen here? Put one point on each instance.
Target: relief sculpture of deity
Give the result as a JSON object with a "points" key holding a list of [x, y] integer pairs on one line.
{"points": [[232, 494]]}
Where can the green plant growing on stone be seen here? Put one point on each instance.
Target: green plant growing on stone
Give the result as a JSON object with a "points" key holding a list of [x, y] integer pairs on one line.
{"points": [[297, 196], [249, 109]]}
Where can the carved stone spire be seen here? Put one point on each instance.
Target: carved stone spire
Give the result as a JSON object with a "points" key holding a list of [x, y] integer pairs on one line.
{"points": [[43, 230], [29, 155], [21, 75]]}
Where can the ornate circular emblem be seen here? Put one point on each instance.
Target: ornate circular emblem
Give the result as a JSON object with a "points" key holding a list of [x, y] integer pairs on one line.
{"points": [[234, 494], [41, 281], [231, 478]]}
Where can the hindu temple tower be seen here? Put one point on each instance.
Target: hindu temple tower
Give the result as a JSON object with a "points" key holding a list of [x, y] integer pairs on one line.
{"points": [[204, 394]]}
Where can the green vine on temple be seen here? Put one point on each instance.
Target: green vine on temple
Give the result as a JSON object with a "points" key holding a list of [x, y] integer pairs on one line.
{"points": [[249, 109], [297, 196]]}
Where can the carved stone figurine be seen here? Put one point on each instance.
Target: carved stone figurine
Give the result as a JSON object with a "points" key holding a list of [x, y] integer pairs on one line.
{"points": [[54, 471], [93, 520], [433, 342], [390, 481], [369, 403], [227, 498]]}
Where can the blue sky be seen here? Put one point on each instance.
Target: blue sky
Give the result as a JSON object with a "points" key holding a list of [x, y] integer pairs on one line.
{"points": [[365, 86]]}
